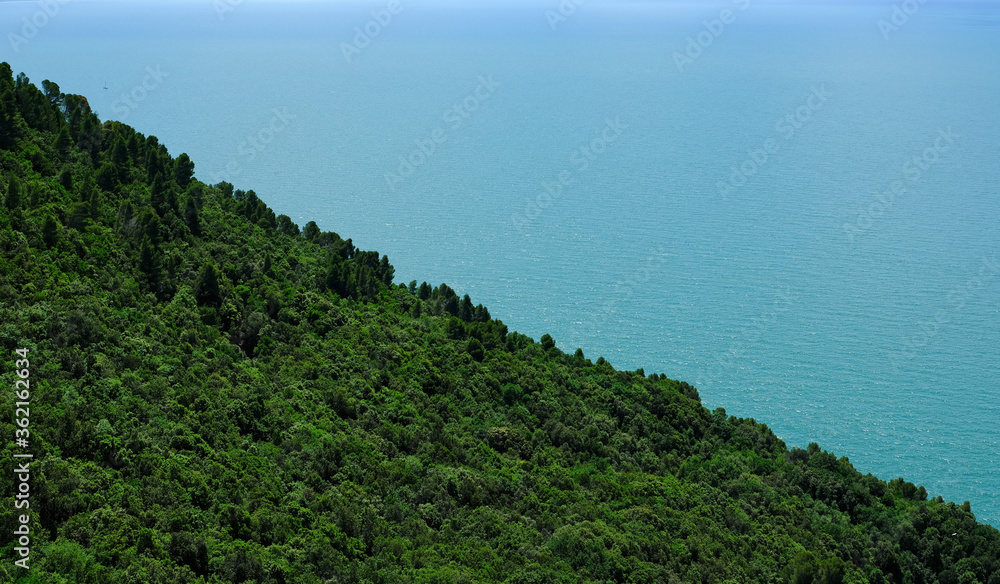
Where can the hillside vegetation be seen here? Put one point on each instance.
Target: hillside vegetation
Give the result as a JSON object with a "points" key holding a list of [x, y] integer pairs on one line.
{"points": [[219, 395]]}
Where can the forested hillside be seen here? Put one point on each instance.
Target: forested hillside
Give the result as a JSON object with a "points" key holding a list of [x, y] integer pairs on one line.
{"points": [[218, 395]]}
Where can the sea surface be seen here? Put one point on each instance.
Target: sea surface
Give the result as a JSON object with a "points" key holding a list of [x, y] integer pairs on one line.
{"points": [[793, 206]]}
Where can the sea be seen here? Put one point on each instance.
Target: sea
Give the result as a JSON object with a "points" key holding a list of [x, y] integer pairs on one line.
{"points": [[794, 206]]}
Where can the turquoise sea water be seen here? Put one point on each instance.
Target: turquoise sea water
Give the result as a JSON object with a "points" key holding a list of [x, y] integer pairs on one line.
{"points": [[808, 294]]}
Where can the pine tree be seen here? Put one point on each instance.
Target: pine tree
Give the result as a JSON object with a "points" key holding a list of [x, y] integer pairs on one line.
{"points": [[64, 142], [207, 291], [183, 171], [50, 231], [107, 176], [8, 126], [14, 194], [94, 200], [311, 231], [191, 218], [149, 260], [465, 309], [424, 292]]}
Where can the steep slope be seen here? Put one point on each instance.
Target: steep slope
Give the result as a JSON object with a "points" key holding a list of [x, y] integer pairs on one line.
{"points": [[219, 396]]}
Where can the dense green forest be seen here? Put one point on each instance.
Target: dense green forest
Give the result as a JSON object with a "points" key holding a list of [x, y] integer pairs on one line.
{"points": [[218, 395]]}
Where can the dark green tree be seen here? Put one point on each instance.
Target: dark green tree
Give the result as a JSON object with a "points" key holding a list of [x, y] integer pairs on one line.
{"points": [[50, 231], [64, 142], [93, 195], [207, 291], [52, 93], [191, 218], [13, 193], [311, 231], [465, 309], [424, 292], [183, 170], [8, 124], [286, 226], [475, 349], [107, 177], [149, 260]]}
